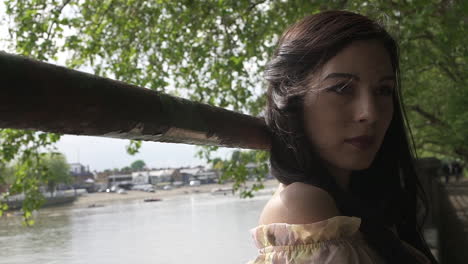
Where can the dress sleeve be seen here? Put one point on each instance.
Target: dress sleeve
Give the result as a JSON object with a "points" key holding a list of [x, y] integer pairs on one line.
{"points": [[332, 241]]}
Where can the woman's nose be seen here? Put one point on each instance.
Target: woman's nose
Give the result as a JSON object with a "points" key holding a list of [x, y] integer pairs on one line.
{"points": [[367, 108]]}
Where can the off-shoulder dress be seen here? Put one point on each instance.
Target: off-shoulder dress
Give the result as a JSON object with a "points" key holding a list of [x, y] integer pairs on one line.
{"points": [[336, 240]]}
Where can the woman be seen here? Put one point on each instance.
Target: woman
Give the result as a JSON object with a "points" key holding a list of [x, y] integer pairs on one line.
{"points": [[349, 191]]}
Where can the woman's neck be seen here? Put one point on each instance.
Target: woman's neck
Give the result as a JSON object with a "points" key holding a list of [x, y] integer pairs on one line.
{"points": [[341, 176]]}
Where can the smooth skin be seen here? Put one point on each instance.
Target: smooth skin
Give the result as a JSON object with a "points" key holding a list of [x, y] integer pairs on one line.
{"points": [[364, 72]]}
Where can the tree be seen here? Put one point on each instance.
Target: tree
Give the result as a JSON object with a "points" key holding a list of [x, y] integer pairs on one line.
{"points": [[58, 170], [138, 165], [8, 174], [24, 149], [48, 169], [214, 52], [126, 170], [235, 168]]}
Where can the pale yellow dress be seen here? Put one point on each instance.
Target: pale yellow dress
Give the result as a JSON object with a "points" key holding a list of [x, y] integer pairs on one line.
{"points": [[336, 240]]}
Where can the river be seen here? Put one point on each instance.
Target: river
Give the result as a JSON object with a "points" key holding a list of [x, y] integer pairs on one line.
{"points": [[199, 228]]}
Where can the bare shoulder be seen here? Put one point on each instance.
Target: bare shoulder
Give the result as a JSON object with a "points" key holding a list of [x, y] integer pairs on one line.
{"points": [[299, 203]]}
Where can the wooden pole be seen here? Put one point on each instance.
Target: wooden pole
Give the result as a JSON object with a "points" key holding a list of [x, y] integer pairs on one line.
{"points": [[42, 96]]}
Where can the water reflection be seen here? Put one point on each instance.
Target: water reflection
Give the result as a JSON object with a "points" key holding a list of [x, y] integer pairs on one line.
{"points": [[19, 244], [200, 228]]}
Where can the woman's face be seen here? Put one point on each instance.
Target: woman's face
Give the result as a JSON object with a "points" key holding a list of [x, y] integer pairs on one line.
{"points": [[364, 106]]}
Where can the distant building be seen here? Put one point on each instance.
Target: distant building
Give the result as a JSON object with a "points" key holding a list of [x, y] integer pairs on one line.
{"points": [[165, 175], [179, 176], [120, 178], [103, 176], [77, 168], [140, 177], [191, 171], [188, 174], [80, 173], [207, 176], [252, 174]]}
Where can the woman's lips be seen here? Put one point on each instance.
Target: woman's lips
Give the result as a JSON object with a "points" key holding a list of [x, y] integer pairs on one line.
{"points": [[362, 142]]}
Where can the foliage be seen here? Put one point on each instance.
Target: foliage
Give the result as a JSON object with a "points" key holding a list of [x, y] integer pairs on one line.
{"points": [[237, 168], [126, 170], [8, 174], [45, 169], [214, 52], [434, 55], [138, 165], [58, 170], [133, 147], [22, 148]]}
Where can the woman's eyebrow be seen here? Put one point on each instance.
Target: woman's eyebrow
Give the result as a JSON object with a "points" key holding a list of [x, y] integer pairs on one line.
{"points": [[342, 75], [355, 77]]}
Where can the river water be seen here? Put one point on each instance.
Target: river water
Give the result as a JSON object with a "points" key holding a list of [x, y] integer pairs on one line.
{"points": [[199, 228]]}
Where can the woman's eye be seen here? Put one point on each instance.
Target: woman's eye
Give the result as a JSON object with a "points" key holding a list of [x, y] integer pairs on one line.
{"points": [[339, 88], [386, 90]]}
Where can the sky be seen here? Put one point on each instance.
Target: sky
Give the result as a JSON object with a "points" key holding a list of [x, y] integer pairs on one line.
{"points": [[101, 153], [108, 153]]}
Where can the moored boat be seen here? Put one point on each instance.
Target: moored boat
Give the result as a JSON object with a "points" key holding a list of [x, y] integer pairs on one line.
{"points": [[152, 200], [223, 191]]}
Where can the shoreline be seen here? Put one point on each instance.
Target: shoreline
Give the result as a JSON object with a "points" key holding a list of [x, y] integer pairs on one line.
{"points": [[103, 198]]}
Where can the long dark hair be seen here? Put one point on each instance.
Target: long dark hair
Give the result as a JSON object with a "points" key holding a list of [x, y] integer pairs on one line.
{"points": [[385, 194]]}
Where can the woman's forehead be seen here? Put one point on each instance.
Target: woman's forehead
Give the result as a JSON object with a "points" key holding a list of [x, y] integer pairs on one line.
{"points": [[360, 60]]}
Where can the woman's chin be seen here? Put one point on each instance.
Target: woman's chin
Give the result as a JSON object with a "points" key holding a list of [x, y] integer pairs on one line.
{"points": [[362, 165]]}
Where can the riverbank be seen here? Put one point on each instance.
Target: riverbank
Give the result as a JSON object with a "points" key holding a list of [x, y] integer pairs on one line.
{"points": [[98, 199]]}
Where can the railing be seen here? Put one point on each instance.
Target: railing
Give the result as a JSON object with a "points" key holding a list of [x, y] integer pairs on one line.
{"points": [[451, 236], [41, 96]]}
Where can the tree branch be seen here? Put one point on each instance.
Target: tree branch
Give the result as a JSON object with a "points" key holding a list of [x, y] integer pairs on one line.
{"points": [[253, 5], [448, 72], [430, 117], [54, 22], [449, 59], [462, 151], [425, 35], [441, 152]]}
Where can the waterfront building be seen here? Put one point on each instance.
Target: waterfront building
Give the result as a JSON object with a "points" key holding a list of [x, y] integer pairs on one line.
{"points": [[140, 177], [80, 173], [207, 176], [121, 180], [163, 176]]}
